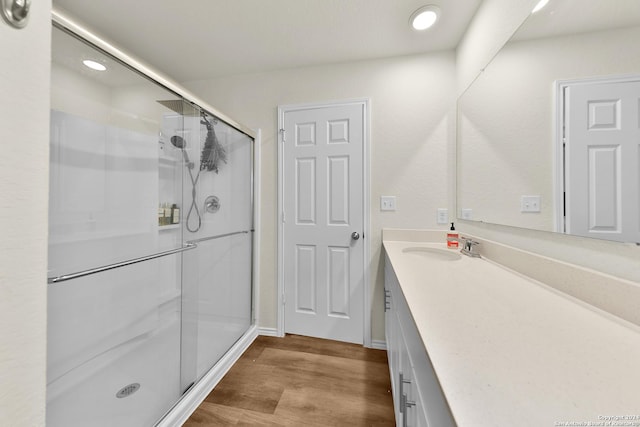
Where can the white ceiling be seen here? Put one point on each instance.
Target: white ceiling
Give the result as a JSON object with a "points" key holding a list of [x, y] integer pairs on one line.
{"points": [[200, 39]]}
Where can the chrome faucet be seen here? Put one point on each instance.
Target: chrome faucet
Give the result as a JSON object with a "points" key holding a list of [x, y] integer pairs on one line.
{"points": [[467, 246]]}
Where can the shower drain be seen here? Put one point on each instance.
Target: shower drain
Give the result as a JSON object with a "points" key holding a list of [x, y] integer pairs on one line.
{"points": [[128, 390]]}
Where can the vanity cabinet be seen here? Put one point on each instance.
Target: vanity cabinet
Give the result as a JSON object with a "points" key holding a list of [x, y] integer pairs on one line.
{"points": [[417, 397]]}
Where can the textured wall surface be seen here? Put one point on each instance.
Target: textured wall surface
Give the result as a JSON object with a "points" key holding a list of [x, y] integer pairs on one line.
{"points": [[24, 174], [493, 24]]}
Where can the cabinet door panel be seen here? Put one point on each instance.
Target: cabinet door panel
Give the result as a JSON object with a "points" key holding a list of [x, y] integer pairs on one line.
{"points": [[407, 355], [392, 338]]}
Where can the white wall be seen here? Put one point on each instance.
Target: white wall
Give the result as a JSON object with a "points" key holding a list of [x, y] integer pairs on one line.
{"points": [[24, 163], [493, 24], [612, 258], [412, 132]]}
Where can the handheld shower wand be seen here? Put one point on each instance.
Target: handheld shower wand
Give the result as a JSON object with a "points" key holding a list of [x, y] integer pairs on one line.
{"points": [[181, 144]]}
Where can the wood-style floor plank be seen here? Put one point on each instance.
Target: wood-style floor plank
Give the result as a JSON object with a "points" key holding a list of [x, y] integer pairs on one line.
{"points": [[301, 381]]}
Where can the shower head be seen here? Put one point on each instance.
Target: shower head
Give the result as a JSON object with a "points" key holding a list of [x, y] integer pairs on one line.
{"points": [[181, 144], [178, 142]]}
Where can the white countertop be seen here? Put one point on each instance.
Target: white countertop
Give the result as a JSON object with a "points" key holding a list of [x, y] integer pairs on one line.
{"points": [[509, 351]]}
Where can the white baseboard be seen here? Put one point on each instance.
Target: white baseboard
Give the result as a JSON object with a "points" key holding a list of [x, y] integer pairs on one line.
{"points": [[269, 332], [379, 345], [194, 397], [273, 332]]}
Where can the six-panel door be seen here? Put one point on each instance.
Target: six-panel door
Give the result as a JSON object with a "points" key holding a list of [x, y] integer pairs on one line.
{"points": [[323, 208]]}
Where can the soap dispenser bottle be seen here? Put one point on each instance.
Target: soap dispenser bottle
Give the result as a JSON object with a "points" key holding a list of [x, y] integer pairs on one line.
{"points": [[452, 234]]}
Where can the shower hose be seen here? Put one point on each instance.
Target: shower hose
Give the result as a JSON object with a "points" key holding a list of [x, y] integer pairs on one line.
{"points": [[194, 207]]}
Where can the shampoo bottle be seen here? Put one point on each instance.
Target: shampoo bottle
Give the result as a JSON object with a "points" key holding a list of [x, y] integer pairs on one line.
{"points": [[453, 244], [175, 214]]}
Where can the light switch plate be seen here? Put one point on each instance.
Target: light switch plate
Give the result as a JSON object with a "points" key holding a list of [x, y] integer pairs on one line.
{"points": [[530, 204], [442, 216], [466, 214], [387, 203]]}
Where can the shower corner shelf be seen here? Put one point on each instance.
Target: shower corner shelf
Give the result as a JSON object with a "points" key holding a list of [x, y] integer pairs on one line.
{"points": [[169, 227]]}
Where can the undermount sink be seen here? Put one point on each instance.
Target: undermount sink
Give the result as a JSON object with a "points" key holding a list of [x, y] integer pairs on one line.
{"points": [[433, 253]]}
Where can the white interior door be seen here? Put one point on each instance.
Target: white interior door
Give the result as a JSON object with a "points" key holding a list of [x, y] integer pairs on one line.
{"points": [[323, 217], [602, 159]]}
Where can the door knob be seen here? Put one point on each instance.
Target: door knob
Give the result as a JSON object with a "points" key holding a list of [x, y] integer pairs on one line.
{"points": [[355, 235]]}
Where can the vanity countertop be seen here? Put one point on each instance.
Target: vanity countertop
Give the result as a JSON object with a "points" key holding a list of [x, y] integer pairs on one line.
{"points": [[510, 351]]}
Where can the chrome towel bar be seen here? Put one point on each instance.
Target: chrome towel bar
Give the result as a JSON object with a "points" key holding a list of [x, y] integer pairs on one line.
{"points": [[64, 278]]}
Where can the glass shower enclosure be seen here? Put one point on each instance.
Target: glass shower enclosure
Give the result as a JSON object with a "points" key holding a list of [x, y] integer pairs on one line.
{"points": [[150, 241]]}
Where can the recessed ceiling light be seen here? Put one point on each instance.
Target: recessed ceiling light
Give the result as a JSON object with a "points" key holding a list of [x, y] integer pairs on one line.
{"points": [[425, 17], [540, 5], [94, 65]]}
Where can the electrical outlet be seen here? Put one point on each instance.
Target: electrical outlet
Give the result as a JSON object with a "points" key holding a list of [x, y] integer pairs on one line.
{"points": [[442, 216], [466, 214], [387, 203], [530, 204]]}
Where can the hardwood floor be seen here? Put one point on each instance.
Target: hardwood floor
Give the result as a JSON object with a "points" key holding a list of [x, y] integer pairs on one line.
{"points": [[301, 381]]}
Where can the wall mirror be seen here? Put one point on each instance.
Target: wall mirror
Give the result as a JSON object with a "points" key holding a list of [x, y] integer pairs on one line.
{"points": [[549, 132]]}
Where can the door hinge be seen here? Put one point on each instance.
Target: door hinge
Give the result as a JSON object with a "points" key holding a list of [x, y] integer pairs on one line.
{"points": [[284, 135], [283, 217], [284, 299]]}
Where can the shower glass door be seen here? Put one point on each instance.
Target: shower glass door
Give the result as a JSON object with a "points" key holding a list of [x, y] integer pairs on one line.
{"points": [[115, 243], [217, 282], [150, 242]]}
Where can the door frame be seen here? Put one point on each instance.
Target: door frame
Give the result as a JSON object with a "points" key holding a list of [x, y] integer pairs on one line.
{"points": [[366, 211], [559, 160]]}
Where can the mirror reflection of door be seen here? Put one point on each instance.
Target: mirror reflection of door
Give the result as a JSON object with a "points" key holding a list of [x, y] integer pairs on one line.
{"points": [[602, 158]]}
